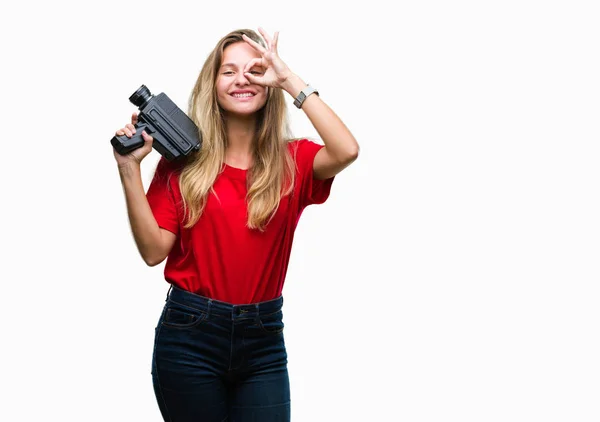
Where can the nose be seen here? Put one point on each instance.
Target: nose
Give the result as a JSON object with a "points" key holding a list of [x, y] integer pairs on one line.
{"points": [[241, 79]]}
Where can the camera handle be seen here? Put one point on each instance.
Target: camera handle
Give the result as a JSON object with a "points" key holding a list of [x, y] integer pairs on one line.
{"points": [[124, 145]]}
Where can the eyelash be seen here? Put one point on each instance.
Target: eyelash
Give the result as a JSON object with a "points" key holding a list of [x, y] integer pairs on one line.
{"points": [[255, 72]]}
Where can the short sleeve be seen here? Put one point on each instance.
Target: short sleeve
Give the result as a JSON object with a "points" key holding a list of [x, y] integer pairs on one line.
{"points": [[312, 191], [161, 197]]}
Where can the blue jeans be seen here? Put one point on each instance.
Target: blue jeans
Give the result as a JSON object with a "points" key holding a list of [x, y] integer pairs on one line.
{"points": [[214, 361]]}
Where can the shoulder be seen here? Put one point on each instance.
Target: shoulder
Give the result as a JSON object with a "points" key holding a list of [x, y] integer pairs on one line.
{"points": [[303, 148], [166, 167], [301, 143], [166, 173]]}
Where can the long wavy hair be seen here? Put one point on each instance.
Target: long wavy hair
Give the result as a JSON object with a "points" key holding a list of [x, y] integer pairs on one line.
{"points": [[273, 171]]}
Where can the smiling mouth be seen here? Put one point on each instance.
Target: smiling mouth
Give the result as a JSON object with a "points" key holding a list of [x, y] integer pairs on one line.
{"points": [[245, 95]]}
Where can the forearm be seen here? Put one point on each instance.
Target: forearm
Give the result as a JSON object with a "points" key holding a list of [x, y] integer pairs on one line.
{"points": [[145, 229], [338, 140]]}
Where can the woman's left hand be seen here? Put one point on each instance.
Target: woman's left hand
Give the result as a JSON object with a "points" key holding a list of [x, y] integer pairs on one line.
{"points": [[276, 71]]}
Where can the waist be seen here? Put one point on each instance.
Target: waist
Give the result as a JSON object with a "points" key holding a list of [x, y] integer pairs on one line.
{"points": [[223, 309]]}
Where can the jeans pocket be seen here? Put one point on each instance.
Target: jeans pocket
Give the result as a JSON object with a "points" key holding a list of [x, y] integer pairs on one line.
{"points": [[181, 316], [271, 323]]}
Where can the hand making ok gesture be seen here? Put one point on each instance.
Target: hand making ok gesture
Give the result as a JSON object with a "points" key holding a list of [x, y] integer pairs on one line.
{"points": [[276, 71]]}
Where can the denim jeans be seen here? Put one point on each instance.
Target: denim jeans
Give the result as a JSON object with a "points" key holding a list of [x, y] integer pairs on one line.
{"points": [[214, 361]]}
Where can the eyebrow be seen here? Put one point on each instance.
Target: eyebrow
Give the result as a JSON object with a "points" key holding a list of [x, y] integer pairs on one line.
{"points": [[234, 65]]}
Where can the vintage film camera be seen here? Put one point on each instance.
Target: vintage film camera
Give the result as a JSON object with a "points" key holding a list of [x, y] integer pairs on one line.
{"points": [[175, 134]]}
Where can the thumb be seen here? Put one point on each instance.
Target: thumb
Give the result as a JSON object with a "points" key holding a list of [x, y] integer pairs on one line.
{"points": [[252, 78], [147, 138]]}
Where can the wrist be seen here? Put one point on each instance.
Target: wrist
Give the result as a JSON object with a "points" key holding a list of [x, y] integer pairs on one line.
{"points": [[293, 85], [129, 169]]}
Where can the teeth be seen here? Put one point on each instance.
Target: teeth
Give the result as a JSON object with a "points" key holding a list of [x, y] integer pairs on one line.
{"points": [[248, 94]]}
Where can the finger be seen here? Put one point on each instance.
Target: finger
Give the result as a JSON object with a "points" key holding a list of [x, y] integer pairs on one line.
{"points": [[134, 118], [130, 127], [147, 137], [275, 39], [123, 131], [254, 62], [254, 44], [265, 36], [253, 79]]}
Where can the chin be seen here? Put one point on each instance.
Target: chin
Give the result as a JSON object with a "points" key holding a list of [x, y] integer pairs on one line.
{"points": [[243, 111]]}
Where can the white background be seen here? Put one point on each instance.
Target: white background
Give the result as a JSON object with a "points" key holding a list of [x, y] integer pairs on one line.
{"points": [[453, 273]]}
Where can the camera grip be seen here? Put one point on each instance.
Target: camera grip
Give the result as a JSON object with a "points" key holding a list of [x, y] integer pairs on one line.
{"points": [[124, 145]]}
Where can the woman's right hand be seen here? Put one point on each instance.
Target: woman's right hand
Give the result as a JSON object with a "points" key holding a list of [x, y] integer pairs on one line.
{"points": [[137, 155]]}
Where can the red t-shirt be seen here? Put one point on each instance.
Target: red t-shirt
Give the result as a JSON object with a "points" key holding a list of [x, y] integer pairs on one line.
{"points": [[219, 257]]}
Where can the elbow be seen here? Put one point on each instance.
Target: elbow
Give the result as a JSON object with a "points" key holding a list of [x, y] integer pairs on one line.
{"points": [[353, 151], [155, 252], [152, 261], [345, 160], [352, 155]]}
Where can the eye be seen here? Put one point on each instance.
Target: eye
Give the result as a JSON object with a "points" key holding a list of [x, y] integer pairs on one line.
{"points": [[229, 72], [256, 72]]}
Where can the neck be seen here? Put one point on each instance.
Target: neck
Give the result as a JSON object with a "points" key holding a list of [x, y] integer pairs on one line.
{"points": [[240, 136]]}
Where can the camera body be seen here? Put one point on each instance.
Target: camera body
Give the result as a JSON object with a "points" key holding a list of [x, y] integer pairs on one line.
{"points": [[175, 134]]}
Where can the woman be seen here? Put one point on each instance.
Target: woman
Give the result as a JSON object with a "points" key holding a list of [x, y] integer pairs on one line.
{"points": [[224, 218]]}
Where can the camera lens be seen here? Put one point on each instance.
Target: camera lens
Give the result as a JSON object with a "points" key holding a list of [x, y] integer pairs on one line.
{"points": [[141, 96]]}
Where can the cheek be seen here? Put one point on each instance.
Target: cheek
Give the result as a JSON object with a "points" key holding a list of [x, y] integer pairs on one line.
{"points": [[221, 92], [220, 86], [265, 96]]}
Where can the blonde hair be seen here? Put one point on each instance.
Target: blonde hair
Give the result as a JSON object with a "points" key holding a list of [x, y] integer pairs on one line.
{"points": [[273, 172]]}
